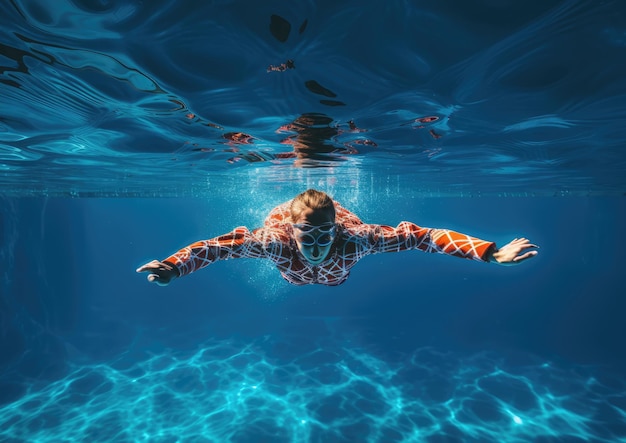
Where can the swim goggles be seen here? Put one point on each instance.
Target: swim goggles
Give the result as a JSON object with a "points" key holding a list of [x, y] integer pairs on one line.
{"points": [[326, 234]]}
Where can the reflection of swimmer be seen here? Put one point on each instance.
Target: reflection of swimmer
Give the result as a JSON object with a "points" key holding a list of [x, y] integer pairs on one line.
{"points": [[313, 138], [314, 240], [313, 142]]}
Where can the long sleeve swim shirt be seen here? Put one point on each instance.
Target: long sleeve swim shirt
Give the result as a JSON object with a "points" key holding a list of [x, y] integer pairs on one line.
{"points": [[354, 240]]}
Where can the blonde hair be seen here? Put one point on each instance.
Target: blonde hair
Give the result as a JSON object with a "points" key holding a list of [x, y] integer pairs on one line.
{"points": [[316, 200]]}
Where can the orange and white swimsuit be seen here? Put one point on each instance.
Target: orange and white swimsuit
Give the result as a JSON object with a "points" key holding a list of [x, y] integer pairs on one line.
{"points": [[355, 239]]}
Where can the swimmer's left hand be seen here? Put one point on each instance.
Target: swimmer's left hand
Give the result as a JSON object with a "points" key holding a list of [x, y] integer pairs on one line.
{"points": [[514, 252]]}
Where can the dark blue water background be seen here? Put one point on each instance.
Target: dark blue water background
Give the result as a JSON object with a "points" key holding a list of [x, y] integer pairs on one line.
{"points": [[129, 129]]}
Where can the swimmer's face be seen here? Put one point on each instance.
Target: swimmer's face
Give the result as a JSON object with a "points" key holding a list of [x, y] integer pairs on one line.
{"points": [[314, 233]]}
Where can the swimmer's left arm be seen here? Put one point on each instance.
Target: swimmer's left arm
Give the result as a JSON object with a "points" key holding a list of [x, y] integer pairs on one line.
{"points": [[408, 236]]}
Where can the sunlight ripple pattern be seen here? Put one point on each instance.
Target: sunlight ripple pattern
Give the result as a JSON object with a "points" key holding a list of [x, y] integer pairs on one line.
{"points": [[232, 391]]}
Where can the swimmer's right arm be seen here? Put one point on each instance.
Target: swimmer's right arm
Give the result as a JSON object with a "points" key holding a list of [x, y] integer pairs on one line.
{"points": [[161, 273], [196, 256], [240, 243]]}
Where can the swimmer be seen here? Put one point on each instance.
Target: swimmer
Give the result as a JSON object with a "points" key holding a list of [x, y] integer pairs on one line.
{"points": [[314, 240]]}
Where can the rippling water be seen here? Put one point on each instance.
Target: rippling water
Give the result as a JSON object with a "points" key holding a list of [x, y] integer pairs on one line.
{"points": [[172, 98]]}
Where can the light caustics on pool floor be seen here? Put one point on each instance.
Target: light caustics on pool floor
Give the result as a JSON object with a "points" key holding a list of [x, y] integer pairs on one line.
{"points": [[228, 391]]}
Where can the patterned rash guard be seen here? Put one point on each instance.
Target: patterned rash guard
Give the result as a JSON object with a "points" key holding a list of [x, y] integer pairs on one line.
{"points": [[354, 240]]}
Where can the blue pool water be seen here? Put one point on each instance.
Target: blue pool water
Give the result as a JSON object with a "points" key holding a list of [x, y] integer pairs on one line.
{"points": [[130, 129]]}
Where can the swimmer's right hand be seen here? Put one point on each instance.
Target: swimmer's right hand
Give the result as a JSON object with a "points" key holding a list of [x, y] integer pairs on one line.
{"points": [[161, 273]]}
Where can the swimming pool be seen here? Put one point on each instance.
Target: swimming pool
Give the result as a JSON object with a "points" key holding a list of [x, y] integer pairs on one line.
{"points": [[129, 130]]}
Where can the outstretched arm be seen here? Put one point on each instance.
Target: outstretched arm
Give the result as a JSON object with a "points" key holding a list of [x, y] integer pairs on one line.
{"points": [[236, 244], [444, 241], [408, 235]]}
